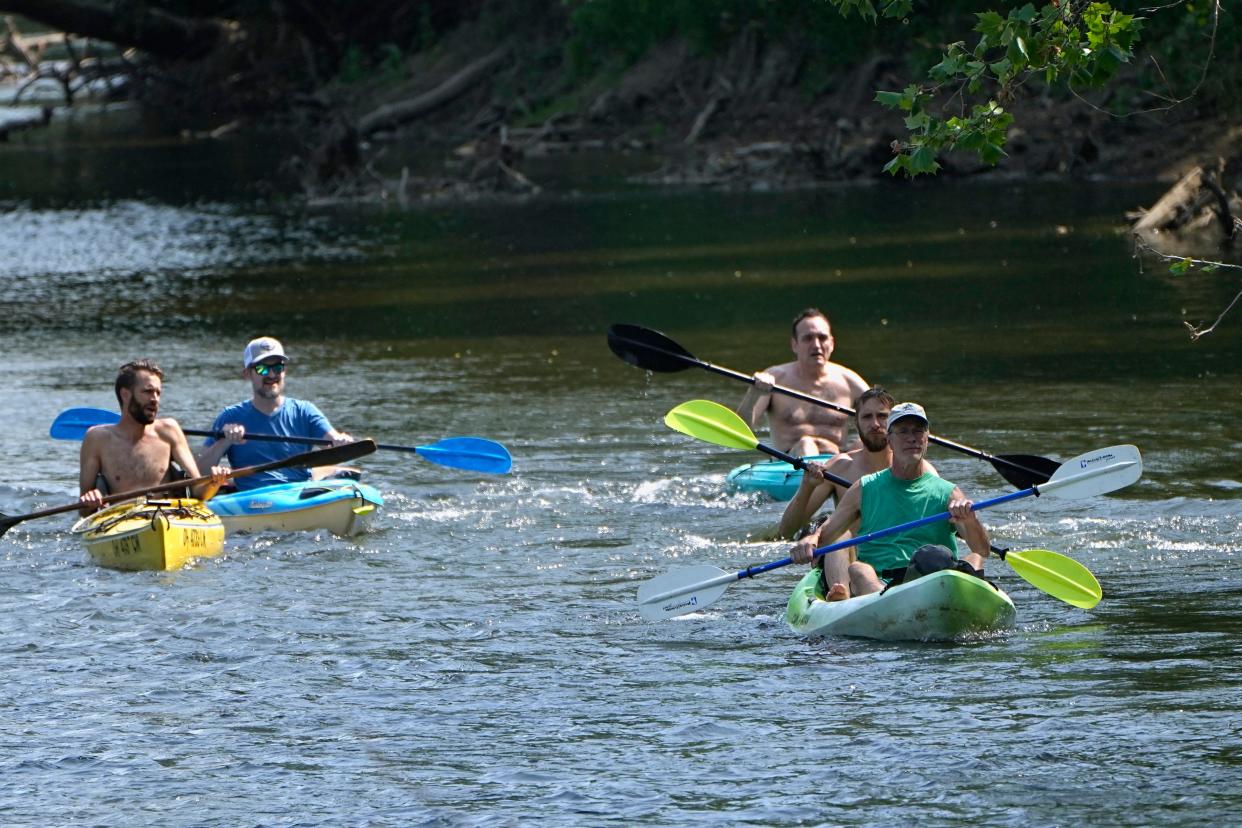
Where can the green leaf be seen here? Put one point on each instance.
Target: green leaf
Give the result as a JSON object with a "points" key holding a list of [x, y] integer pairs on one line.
{"points": [[896, 165], [1180, 268], [923, 160], [892, 100], [990, 24]]}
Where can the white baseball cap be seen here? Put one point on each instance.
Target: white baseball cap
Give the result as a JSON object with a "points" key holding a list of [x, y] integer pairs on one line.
{"points": [[263, 348], [906, 409]]}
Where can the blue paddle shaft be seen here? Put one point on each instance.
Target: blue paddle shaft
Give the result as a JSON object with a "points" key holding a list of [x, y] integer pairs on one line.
{"points": [[752, 571]]}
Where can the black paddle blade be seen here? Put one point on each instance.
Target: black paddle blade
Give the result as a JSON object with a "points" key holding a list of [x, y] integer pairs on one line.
{"points": [[7, 523], [1025, 470], [649, 350]]}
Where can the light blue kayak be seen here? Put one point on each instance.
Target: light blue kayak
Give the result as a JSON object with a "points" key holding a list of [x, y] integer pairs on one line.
{"points": [[775, 478], [343, 507]]}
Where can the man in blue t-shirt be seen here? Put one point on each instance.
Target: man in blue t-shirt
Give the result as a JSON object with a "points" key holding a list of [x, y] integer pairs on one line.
{"points": [[268, 411]]}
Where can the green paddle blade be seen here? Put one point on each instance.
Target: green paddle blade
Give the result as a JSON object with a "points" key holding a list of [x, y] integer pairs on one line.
{"points": [[1059, 576], [712, 423]]}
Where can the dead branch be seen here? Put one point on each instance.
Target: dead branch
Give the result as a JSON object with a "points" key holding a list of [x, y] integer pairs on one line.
{"points": [[393, 115]]}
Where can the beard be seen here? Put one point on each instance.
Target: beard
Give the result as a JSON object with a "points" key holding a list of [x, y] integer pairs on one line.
{"points": [[139, 413], [872, 443], [268, 392]]}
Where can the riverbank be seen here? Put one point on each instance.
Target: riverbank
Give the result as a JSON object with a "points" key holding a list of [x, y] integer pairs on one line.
{"points": [[728, 121]]}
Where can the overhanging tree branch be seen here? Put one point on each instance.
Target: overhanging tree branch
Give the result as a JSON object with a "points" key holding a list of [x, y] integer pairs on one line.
{"points": [[140, 25]]}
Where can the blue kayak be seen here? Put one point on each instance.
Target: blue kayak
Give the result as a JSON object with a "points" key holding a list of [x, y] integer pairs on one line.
{"points": [[775, 478], [343, 507]]}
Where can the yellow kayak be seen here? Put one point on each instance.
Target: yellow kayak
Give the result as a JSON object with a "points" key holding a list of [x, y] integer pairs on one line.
{"points": [[151, 534]]}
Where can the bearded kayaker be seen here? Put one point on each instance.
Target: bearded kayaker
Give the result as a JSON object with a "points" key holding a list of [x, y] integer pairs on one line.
{"points": [[871, 410], [140, 449], [268, 411], [906, 491], [797, 427]]}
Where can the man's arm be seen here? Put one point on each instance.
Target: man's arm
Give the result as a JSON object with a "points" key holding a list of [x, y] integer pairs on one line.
{"points": [[813, 492], [181, 454], [970, 528], [757, 400], [849, 508], [89, 467]]}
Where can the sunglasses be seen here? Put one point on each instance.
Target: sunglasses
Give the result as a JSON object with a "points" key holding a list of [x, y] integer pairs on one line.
{"points": [[263, 369]]}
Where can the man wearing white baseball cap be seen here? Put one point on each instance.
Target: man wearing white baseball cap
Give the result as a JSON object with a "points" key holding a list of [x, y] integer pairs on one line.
{"points": [[268, 411], [906, 491]]}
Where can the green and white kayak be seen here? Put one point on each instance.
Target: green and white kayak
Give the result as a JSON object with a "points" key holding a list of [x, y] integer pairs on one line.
{"points": [[938, 607], [775, 478]]}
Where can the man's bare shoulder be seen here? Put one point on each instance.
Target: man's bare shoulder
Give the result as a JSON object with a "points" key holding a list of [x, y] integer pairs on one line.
{"points": [[97, 435], [849, 376], [847, 464], [168, 430], [784, 371]]}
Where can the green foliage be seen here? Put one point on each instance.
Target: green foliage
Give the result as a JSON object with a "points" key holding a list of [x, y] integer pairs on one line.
{"points": [[1075, 43], [387, 62], [353, 65], [607, 33], [866, 9]]}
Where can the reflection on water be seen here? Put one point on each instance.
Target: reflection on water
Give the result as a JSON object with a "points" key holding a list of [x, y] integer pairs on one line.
{"points": [[478, 658]]}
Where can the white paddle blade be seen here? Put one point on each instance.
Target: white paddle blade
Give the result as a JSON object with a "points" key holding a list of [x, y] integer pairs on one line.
{"points": [[1095, 473], [682, 591]]}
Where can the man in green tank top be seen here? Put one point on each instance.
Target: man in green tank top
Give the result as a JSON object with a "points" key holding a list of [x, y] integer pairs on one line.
{"points": [[906, 491]]}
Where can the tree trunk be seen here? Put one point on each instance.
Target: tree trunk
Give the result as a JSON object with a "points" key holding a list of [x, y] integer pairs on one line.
{"points": [[152, 30]]}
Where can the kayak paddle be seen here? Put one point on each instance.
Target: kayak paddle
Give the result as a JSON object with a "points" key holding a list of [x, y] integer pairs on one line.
{"points": [[1095, 473], [653, 351], [326, 457], [1060, 576], [469, 453]]}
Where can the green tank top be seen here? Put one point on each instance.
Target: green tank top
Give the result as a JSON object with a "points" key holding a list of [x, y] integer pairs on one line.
{"points": [[888, 501]]}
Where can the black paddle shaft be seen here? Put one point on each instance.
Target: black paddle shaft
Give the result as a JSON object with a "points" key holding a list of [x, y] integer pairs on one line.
{"points": [[653, 351]]}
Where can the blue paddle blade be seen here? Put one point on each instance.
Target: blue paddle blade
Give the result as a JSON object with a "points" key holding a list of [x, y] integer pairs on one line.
{"points": [[73, 423], [470, 453]]}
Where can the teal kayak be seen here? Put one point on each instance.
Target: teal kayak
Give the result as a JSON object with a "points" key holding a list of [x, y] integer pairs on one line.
{"points": [[775, 478], [341, 506], [938, 607]]}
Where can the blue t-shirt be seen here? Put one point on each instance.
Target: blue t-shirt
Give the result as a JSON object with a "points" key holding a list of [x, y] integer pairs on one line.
{"points": [[294, 418]]}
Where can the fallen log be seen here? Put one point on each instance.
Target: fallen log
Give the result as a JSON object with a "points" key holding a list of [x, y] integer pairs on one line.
{"points": [[1195, 214], [394, 115]]}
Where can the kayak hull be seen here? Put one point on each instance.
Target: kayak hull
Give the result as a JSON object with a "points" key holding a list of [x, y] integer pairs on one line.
{"points": [[343, 507], [942, 606], [774, 478], [152, 534]]}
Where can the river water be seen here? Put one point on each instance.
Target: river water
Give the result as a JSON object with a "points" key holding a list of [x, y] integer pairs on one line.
{"points": [[478, 659]]}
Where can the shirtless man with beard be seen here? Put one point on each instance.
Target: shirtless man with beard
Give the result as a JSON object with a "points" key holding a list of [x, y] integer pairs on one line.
{"points": [[268, 411], [797, 427], [139, 450]]}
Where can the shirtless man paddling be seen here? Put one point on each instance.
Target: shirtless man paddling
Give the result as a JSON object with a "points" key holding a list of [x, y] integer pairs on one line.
{"points": [[797, 427], [139, 450]]}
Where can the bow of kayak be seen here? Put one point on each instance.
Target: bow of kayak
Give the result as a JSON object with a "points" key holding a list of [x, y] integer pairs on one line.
{"points": [[941, 606], [151, 534], [775, 478], [343, 507]]}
